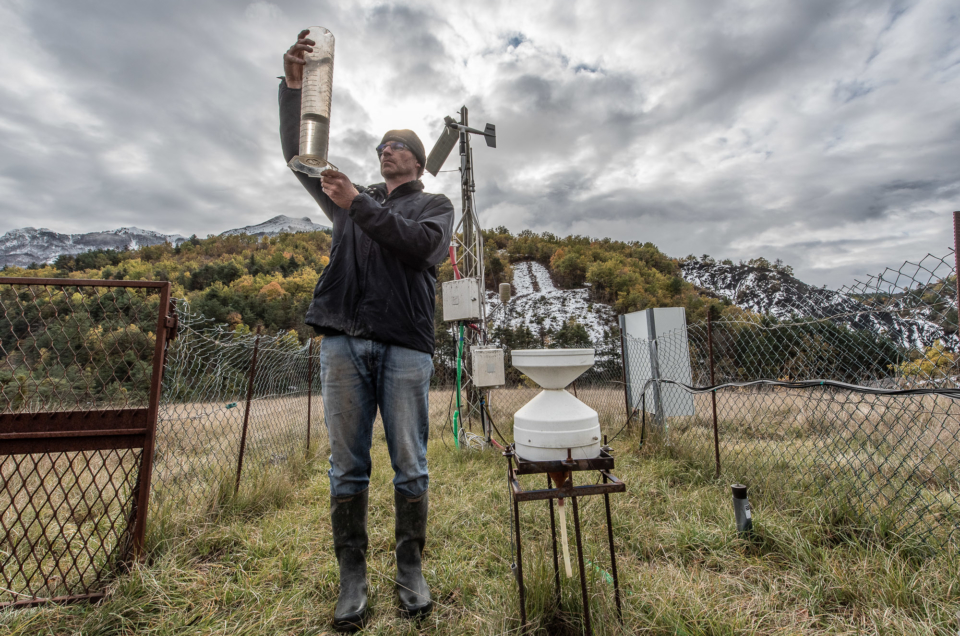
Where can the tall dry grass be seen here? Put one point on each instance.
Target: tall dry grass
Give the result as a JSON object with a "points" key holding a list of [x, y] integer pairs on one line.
{"points": [[263, 562]]}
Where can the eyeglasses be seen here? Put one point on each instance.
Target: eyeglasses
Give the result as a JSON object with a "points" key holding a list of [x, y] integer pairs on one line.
{"points": [[392, 145]]}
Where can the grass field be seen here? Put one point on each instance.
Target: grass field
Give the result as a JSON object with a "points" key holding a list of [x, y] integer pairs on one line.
{"points": [[262, 562]]}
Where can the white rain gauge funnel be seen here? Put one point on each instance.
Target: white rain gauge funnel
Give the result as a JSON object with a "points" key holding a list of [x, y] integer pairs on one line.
{"points": [[315, 105], [555, 422]]}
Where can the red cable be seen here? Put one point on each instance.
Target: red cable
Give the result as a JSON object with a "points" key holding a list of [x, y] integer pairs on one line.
{"points": [[453, 261]]}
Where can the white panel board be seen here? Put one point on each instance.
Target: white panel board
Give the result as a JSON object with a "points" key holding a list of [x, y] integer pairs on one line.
{"points": [[665, 331], [673, 355], [637, 362]]}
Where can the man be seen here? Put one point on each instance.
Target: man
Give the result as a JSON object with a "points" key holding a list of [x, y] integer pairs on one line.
{"points": [[374, 305]]}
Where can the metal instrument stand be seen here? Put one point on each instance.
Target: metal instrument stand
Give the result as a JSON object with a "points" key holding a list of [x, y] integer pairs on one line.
{"points": [[603, 464]]}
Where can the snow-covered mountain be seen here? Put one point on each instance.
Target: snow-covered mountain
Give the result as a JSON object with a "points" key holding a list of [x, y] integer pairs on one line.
{"points": [[28, 245], [536, 300], [277, 225], [771, 290]]}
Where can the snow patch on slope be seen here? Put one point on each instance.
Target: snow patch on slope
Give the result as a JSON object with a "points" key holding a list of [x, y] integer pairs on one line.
{"points": [[278, 225], [538, 303], [27, 245]]}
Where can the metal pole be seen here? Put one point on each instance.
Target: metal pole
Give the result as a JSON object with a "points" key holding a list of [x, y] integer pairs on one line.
{"points": [[658, 416], [309, 390], [623, 375], [643, 411], [516, 529], [466, 177], [246, 412], [613, 554], [583, 573], [713, 394], [165, 320], [956, 255]]}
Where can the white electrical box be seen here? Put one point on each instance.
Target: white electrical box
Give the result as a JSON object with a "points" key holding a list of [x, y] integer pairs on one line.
{"points": [[461, 300], [487, 365]]}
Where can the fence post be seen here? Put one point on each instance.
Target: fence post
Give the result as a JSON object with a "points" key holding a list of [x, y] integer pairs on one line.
{"points": [[246, 412], [623, 375], [166, 324], [713, 394], [659, 417], [956, 254], [309, 390]]}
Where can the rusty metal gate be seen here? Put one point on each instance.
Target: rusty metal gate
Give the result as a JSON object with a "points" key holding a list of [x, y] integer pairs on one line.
{"points": [[81, 364]]}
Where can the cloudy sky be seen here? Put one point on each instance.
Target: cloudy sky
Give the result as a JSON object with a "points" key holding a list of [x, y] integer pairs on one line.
{"points": [[822, 132]]}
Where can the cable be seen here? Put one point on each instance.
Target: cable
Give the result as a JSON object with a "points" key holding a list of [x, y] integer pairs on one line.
{"points": [[444, 427], [953, 394], [456, 414], [486, 408]]}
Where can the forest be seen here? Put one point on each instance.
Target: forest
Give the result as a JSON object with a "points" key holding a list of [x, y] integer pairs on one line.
{"points": [[244, 282]]}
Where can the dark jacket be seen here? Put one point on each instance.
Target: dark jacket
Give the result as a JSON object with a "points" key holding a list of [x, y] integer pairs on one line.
{"points": [[381, 280]]}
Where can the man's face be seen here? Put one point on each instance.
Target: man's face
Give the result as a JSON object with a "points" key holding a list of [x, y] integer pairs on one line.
{"points": [[395, 162]]}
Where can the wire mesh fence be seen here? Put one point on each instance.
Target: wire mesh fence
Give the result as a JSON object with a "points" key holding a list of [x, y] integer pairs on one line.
{"points": [[79, 386], [234, 405], [855, 400], [858, 399]]}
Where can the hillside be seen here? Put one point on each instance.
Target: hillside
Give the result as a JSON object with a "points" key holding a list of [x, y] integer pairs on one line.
{"points": [[25, 246], [566, 291], [765, 288], [537, 304]]}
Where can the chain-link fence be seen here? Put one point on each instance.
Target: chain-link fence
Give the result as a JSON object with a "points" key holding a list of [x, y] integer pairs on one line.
{"points": [[857, 400], [234, 405], [219, 383], [79, 388]]}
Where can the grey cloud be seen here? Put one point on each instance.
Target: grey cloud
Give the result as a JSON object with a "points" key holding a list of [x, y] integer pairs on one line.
{"points": [[775, 128]]}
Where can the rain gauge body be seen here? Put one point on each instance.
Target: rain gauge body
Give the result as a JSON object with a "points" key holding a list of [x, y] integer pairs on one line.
{"points": [[315, 99], [555, 425]]}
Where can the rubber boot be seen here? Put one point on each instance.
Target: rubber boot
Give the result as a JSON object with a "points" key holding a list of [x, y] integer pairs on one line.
{"points": [[349, 520], [411, 534]]}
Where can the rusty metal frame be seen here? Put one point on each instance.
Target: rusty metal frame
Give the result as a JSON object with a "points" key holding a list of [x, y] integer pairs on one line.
{"points": [[603, 465], [56, 432]]}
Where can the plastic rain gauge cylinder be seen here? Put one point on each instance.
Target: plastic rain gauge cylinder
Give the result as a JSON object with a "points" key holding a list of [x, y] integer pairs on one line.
{"points": [[315, 105], [555, 422]]}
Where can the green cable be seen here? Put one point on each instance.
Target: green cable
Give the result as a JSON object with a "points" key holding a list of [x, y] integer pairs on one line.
{"points": [[456, 414]]}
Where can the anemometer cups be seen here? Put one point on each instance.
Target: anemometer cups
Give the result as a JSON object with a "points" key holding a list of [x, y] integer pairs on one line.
{"points": [[555, 423], [315, 106]]}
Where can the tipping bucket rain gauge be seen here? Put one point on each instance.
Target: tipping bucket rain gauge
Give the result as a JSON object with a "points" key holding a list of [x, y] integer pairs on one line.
{"points": [[557, 434], [315, 98], [555, 426]]}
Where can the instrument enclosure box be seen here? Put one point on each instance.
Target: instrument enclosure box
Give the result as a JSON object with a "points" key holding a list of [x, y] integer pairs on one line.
{"points": [[488, 367], [461, 300]]}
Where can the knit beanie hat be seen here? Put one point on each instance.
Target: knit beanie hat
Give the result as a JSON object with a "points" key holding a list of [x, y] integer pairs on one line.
{"points": [[413, 143]]}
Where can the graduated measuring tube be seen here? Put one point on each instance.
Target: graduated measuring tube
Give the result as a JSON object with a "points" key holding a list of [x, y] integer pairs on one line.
{"points": [[315, 105]]}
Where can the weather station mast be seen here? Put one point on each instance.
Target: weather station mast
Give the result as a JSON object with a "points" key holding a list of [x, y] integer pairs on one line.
{"points": [[464, 298]]}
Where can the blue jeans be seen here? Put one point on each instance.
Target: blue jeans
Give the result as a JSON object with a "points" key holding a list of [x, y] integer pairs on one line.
{"points": [[357, 377]]}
